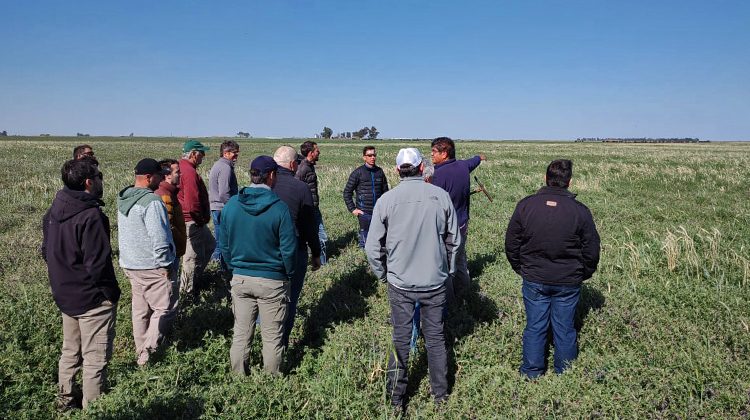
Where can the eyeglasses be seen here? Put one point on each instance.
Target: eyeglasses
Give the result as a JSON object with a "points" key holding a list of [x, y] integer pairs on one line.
{"points": [[371, 154]]}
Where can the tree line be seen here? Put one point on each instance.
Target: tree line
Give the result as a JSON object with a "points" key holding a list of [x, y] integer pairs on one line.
{"points": [[370, 133]]}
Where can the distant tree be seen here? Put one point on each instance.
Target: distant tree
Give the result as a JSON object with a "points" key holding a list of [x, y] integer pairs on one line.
{"points": [[361, 133], [373, 133], [3, 133], [82, 135], [131, 134], [348, 134], [327, 133], [243, 134], [44, 135]]}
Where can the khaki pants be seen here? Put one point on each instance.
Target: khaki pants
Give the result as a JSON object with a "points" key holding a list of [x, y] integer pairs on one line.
{"points": [[154, 306], [253, 296], [200, 246], [87, 338]]}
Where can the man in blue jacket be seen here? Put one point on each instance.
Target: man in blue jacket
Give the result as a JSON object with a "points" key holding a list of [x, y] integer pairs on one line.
{"points": [[367, 183], [452, 175], [79, 262], [259, 245], [552, 243]]}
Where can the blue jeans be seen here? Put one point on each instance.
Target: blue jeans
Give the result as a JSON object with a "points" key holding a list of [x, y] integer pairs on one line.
{"points": [[322, 236], [364, 227], [216, 218], [300, 268], [555, 306]]}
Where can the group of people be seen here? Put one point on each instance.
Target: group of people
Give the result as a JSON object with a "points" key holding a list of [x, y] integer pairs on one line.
{"points": [[414, 237]]}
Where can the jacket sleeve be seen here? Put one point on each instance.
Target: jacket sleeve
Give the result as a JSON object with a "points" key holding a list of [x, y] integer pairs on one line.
{"points": [[473, 162], [223, 176], [43, 247], [375, 245], [167, 200], [350, 187], [190, 199], [287, 241], [452, 235], [385, 184], [513, 237], [309, 231], [157, 225], [590, 245], [96, 249], [222, 240]]}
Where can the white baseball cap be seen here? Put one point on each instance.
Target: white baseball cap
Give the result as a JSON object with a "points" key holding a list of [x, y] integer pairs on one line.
{"points": [[410, 156]]}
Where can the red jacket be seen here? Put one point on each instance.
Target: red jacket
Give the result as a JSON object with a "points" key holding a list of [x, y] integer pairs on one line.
{"points": [[193, 195]]}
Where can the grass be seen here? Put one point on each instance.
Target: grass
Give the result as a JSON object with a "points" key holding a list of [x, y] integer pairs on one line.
{"points": [[665, 324]]}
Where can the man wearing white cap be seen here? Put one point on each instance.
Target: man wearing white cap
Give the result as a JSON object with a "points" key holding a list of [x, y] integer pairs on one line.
{"points": [[412, 244]]}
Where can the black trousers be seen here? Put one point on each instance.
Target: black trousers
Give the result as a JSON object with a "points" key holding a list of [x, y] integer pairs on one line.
{"points": [[402, 311]]}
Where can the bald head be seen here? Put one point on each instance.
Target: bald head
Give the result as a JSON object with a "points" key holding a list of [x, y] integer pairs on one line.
{"points": [[285, 156]]}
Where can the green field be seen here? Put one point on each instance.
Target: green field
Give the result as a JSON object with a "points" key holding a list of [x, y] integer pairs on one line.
{"points": [[665, 322]]}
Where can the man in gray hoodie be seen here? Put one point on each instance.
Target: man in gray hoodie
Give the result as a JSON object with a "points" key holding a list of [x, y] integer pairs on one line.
{"points": [[222, 185], [412, 245], [147, 251]]}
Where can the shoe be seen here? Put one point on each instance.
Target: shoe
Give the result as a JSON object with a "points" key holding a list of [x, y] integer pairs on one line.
{"points": [[67, 403], [143, 358]]}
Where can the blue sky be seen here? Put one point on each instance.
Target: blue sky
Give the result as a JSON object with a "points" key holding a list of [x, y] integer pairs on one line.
{"points": [[465, 69]]}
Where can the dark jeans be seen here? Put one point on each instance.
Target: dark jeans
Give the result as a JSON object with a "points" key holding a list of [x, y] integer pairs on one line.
{"points": [[402, 311], [216, 218], [364, 227], [546, 306], [298, 281]]}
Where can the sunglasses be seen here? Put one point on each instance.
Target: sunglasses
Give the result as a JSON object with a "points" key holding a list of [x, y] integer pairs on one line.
{"points": [[371, 154]]}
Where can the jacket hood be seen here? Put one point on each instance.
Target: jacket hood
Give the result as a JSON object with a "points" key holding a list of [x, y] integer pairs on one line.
{"points": [[68, 203], [256, 200], [131, 195]]}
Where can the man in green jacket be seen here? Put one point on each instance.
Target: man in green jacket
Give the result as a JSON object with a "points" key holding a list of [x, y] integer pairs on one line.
{"points": [[258, 243]]}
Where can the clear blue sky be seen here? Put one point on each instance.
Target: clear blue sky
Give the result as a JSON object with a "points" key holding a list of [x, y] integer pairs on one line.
{"points": [[466, 69]]}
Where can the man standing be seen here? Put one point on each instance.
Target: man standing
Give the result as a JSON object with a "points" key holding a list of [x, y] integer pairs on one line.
{"points": [[306, 172], [368, 183], [193, 197], [453, 176], [258, 245], [79, 262], [552, 243], [222, 185], [168, 192], [146, 253], [412, 244], [295, 194]]}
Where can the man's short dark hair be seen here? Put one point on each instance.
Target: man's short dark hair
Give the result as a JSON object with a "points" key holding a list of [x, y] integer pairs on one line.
{"points": [[167, 163], [307, 147], [407, 170], [78, 150], [367, 149], [559, 173], [445, 144], [75, 172], [257, 178], [229, 146]]}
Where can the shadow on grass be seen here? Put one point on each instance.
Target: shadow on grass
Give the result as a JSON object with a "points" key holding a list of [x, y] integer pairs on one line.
{"points": [[478, 263], [461, 322], [179, 406], [210, 313], [333, 248], [590, 299], [344, 301]]}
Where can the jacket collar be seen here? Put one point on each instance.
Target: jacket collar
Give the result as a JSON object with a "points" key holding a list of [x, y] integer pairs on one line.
{"points": [[556, 191]]}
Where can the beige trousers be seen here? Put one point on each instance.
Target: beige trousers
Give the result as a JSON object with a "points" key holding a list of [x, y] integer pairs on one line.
{"points": [[253, 296], [87, 340], [200, 246], [154, 307]]}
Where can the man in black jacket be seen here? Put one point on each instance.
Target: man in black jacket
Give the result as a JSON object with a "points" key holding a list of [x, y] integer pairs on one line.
{"points": [[367, 183], [306, 173], [552, 243], [79, 262], [295, 194]]}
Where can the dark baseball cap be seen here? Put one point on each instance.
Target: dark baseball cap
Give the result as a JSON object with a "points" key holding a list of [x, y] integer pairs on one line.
{"points": [[263, 164], [192, 144], [150, 166]]}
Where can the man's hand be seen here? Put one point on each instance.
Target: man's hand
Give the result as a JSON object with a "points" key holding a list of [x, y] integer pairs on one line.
{"points": [[482, 156], [357, 212], [315, 263]]}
